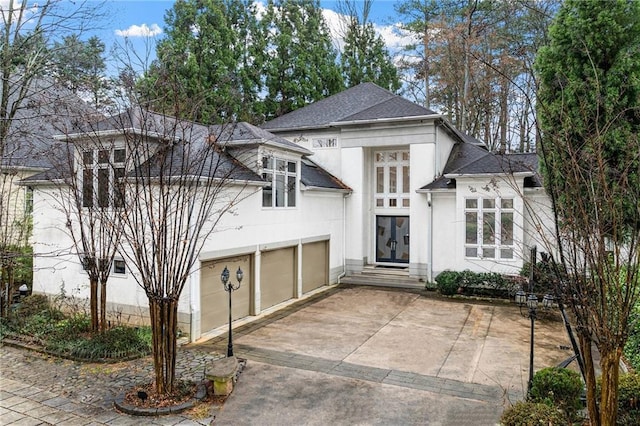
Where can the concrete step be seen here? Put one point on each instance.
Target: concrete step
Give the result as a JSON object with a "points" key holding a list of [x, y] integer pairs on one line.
{"points": [[385, 270], [383, 280]]}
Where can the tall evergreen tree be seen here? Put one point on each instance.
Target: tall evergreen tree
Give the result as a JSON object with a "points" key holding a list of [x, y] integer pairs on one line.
{"points": [[364, 56], [589, 111], [210, 58], [300, 66], [80, 66]]}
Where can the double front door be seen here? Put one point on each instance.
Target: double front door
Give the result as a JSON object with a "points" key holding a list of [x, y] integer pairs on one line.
{"points": [[392, 239]]}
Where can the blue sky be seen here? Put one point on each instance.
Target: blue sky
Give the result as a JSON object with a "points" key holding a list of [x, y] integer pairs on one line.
{"points": [[140, 22]]}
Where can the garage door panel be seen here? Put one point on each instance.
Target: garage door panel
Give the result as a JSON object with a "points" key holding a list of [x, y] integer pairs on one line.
{"points": [[214, 301], [315, 265], [277, 276]]}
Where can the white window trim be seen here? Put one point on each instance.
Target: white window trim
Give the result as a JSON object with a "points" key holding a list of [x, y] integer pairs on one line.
{"points": [[399, 196], [336, 143], [497, 246], [286, 174]]}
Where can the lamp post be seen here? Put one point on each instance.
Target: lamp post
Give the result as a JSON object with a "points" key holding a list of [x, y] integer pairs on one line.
{"points": [[229, 287], [531, 301]]}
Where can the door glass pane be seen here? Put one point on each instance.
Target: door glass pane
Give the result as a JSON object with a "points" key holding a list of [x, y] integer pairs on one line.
{"points": [[393, 180], [471, 227], [379, 180], [383, 238], [488, 228], [402, 239], [405, 179]]}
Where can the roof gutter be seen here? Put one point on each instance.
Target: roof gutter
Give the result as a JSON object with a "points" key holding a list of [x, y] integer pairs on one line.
{"points": [[466, 175], [323, 189]]}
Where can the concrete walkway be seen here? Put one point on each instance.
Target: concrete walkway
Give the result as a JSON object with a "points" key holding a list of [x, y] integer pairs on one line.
{"points": [[351, 355]]}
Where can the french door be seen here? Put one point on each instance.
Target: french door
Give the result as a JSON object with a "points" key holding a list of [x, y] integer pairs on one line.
{"points": [[392, 239]]}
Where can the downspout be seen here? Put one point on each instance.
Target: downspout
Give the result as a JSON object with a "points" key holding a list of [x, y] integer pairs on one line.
{"points": [[430, 239], [344, 237]]}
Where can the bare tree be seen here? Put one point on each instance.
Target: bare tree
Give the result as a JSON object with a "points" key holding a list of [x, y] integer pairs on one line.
{"points": [[27, 107], [175, 184]]}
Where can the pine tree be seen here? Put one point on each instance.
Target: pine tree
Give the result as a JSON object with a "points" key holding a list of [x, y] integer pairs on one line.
{"points": [[589, 110], [364, 57], [209, 58], [300, 66]]}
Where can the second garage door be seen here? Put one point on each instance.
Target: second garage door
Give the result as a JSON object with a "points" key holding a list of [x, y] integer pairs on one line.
{"points": [[277, 276], [315, 265], [214, 301]]}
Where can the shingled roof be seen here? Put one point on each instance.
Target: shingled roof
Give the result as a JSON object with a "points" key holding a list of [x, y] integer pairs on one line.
{"points": [[365, 101], [469, 159], [314, 176]]}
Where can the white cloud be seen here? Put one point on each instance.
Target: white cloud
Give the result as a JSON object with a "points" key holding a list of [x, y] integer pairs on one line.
{"points": [[140, 31]]}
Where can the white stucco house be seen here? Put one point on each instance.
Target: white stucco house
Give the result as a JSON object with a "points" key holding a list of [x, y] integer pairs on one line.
{"points": [[364, 180]]}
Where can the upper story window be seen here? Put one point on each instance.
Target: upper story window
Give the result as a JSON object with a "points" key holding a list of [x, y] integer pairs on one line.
{"points": [[102, 172], [324, 143], [392, 179], [489, 228], [282, 175]]}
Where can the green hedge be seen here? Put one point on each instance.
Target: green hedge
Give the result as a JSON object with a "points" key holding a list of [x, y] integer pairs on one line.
{"points": [[474, 283], [559, 387], [527, 413]]}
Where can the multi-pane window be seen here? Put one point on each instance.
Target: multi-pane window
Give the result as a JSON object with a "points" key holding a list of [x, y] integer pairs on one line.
{"points": [[392, 179], [489, 228], [282, 177], [102, 173]]}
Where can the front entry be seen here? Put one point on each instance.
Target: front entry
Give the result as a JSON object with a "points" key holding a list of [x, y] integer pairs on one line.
{"points": [[392, 239]]}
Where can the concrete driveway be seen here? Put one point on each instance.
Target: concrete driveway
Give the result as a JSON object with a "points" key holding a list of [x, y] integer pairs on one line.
{"points": [[366, 355]]}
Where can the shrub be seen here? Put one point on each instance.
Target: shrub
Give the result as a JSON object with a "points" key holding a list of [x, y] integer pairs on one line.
{"points": [[117, 342], [31, 305], [531, 414], [632, 348], [557, 386], [629, 399], [448, 282]]}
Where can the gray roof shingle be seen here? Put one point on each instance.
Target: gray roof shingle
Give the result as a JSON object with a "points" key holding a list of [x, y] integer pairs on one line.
{"points": [[469, 159], [315, 176], [365, 101]]}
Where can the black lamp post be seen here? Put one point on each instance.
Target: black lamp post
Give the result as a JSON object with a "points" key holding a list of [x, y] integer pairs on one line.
{"points": [[531, 301], [230, 287]]}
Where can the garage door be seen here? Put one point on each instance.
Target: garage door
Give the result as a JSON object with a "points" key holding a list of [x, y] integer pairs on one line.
{"points": [[214, 301], [315, 265], [277, 276]]}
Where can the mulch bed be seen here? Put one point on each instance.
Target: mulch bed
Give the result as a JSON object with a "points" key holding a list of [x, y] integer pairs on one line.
{"points": [[145, 396]]}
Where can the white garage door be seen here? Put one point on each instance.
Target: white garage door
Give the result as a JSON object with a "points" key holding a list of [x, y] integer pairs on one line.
{"points": [[277, 276], [315, 265], [214, 301]]}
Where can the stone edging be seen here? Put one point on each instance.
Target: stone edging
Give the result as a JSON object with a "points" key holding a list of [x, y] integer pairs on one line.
{"points": [[133, 410]]}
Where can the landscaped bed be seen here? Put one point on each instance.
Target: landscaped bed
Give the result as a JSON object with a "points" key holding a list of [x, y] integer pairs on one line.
{"points": [[37, 324]]}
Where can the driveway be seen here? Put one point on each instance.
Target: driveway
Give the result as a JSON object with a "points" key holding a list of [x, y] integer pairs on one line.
{"points": [[366, 355]]}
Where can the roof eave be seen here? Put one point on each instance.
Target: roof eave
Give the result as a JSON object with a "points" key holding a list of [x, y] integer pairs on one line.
{"points": [[324, 189], [110, 133], [473, 175], [385, 120]]}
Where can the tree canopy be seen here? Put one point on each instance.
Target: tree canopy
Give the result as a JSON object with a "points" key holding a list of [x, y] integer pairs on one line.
{"points": [[589, 113]]}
